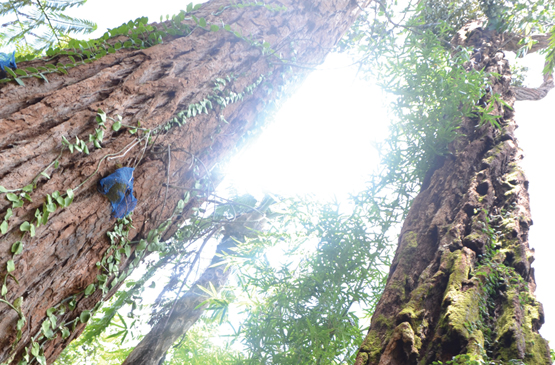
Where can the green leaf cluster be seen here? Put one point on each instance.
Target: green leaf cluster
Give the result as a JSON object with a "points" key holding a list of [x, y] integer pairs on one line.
{"points": [[40, 24]]}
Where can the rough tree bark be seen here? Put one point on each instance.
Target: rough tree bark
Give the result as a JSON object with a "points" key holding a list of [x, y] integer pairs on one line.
{"points": [[151, 86], [461, 281]]}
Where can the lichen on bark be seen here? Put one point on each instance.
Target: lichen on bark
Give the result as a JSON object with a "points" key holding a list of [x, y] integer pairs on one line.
{"points": [[461, 281]]}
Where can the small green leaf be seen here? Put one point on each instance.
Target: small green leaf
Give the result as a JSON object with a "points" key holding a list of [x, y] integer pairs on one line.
{"points": [[189, 7], [202, 22], [21, 72], [45, 175], [116, 126], [100, 114], [4, 227], [35, 349], [17, 248], [18, 302], [18, 80], [65, 332], [32, 230], [214, 28], [198, 6], [17, 204], [3, 189], [32, 69], [44, 218], [8, 215], [10, 72], [51, 208], [28, 188], [53, 320], [25, 226], [227, 27], [12, 197], [85, 316], [41, 76], [90, 289], [133, 131], [62, 70], [21, 323], [4, 290], [10, 265], [46, 329], [141, 246]]}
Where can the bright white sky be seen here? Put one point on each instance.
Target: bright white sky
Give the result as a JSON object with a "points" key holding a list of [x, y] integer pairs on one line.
{"points": [[321, 140], [536, 120]]}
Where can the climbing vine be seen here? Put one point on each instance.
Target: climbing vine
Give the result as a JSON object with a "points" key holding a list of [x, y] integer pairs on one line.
{"points": [[132, 35]]}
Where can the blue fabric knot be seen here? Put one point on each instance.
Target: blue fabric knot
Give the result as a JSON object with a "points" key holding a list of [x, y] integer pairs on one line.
{"points": [[7, 60], [118, 188]]}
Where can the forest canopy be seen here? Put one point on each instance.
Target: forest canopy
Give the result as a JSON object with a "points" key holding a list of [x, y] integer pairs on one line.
{"points": [[306, 278]]}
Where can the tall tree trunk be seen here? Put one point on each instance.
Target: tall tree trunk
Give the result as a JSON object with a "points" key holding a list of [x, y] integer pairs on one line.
{"points": [[461, 281], [187, 309], [151, 86]]}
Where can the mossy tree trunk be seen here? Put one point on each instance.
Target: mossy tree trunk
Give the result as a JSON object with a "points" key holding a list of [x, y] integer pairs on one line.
{"points": [[152, 86], [461, 282]]}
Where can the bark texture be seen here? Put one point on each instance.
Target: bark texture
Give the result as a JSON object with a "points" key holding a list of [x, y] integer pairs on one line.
{"points": [[461, 281], [151, 86]]}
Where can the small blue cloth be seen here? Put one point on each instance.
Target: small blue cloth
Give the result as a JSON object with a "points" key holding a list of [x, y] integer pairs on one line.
{"points": [[7, 60], [118, 188]]}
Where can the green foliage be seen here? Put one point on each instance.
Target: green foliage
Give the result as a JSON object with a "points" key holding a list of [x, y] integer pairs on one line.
{"points": [[37, 25], [312, 305], [307, 308], [199, 348]]}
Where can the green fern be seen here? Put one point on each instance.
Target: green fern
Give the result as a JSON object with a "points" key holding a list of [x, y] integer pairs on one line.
{"points": [[40, 24]]}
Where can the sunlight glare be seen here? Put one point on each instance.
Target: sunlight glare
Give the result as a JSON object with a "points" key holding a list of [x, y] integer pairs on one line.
{"points": [[321, 140]]}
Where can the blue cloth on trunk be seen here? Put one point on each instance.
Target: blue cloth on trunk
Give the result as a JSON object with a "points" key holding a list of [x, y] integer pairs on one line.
{"points": [[7, 60], [118, 188]]}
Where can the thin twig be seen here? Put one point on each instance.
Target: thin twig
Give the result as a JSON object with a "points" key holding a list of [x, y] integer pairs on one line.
{"points": [[167, 179], [206, 239], [49, 23]]}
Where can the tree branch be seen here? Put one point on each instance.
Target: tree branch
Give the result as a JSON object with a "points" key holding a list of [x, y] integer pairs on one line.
{"points": [[528, 93]]}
